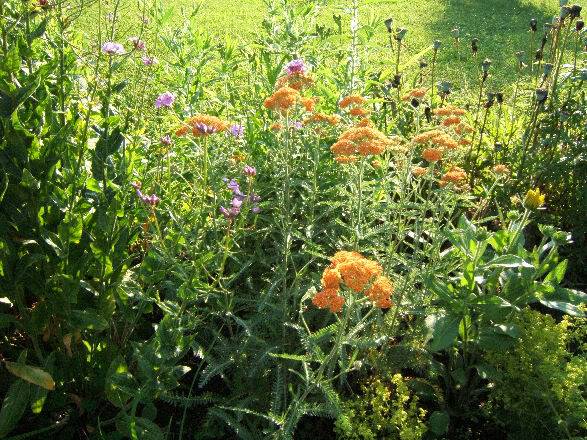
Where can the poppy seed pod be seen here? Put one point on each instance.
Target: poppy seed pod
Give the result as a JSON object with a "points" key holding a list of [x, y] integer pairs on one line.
{"points": [[533, 25], [541, 95], [485, 65], [423, 63], [499, 97], [389, 24], [444, 88], [576, 11], [579, 25], [428, 114], [539, 55], [456, 33], [547, 69], [397, 80], [436, 44], [475, 46], [400, 34], [415, 103]]}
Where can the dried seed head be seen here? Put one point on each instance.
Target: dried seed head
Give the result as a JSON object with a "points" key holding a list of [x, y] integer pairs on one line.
{"points": [[436, 44], [456, 33], [533, 25], [389, 24], [400, 34], [547, 69], [576, 11], [579, 25], [499, 97], [475, 46], [541, 95], [428, 114]]}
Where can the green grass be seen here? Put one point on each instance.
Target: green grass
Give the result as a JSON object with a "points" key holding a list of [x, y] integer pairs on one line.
{"points": [[500, 25]]}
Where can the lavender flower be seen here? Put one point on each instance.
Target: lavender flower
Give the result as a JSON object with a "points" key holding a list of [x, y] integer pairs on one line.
{"points": [[204, 129], [237, 130], [255, 209], [164, 100], [151, 200], [112, 48], [250, 171], [296, 67], [137, 43], [237, 203], [149, 61], [233, 185], [297, 125], [166, 140]]}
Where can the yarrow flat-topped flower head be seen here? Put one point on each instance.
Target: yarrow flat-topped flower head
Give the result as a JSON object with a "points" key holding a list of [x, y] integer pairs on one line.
{"points": [[112, 48]]}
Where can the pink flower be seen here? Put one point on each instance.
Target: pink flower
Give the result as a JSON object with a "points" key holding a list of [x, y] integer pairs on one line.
{"points": [[137, 43], [164, 100], [296, 67], [112, 48], [149, 61]]}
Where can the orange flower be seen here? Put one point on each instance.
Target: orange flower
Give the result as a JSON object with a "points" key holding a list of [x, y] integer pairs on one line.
{"points": [[445, 141], [501, 169], [449, 110], [331, 279], [362, 140], [419, 171], [380, 291], [328, 299], [452, 120], [432, 154], [427, 136], [415, 93], [297, 81], [322, 118], [355, 100], [343, 257], [455, 176], [358, 111], [358, 273], [283, 99], [309, 104], [202, 125], [464, 142], [276, 126], [365, 122], [463, 127]]}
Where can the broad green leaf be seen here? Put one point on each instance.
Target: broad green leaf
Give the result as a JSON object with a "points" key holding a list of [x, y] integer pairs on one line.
{"points": [[508, 261], [120, 384], [558, 273], [31, 374], [444, 331], [568, 308], [14, 405], [438, 422]]}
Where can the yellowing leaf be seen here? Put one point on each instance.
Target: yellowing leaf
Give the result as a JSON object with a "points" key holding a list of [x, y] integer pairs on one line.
{"points": [[33, 375]]}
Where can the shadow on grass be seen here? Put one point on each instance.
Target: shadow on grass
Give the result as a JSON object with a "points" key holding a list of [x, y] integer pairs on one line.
{"points": [[502, 27]]}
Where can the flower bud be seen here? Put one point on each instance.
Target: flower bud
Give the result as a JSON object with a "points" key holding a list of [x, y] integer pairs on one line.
{"points": [[541, 95]]}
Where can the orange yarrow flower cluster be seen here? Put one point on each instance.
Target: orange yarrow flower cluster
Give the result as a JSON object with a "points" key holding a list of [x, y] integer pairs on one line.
{"points": [[195, 124], [297, 81], [322, 118], [501, 169], [457, 176], [415, 94], [358, 274], [364, 141], [283, 99], [449, 110], [355, 105]]}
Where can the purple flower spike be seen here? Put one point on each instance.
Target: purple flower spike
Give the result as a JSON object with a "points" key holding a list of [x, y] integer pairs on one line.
{"points": [[164, 100], [225, 212], [255, 209], [296, 67], [237, 203], [249, 171], [237, 130], [149, 61], [166, 140], [151, 200], [112, 48], [137, 43], [233, 186]]}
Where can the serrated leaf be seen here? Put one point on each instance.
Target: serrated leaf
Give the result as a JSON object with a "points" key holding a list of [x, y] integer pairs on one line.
{"points": [[14, 405]]}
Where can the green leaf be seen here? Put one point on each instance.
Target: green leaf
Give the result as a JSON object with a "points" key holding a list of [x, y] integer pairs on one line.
{"points": [[34, 375], [39, 30], [558, 273], [88, 319], [12, 60], [14, 405], [139, 428], [291, 357], [508, 261], [438, 422], [70, 229], [444, 331], [568, 308], [120, 384]]}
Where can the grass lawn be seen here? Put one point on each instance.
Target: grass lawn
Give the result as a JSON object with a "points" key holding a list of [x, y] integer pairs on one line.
{"points": [[500, 25]]}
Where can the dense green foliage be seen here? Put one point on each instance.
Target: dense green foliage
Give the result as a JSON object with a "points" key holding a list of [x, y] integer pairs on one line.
{"points": [[180, 238]]}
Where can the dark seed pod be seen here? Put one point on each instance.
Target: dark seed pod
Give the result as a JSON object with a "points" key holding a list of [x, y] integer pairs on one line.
{"points": [[576, 11], [475, 46], [490, 100], [547, 69], [415, 103], [436, 44], [579, 25], [486, 64], [533, 25], [541, 95], [423, 63], [444, 88], [499, 97], [397, 80], [565, 12], [400, 34], [498, 146], [539, 55], [389, 24], [544, 40], [428, 114]]}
